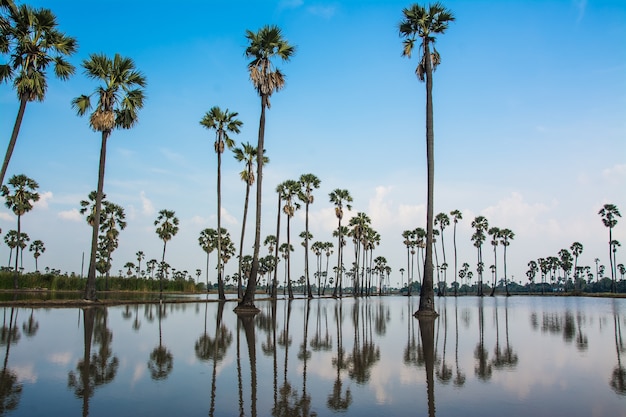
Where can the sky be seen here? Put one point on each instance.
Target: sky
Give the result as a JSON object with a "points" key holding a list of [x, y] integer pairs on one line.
{"points": [[529, 108]]}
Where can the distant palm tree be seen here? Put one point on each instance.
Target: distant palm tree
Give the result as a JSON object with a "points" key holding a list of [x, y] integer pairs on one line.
{"points": [[33, 43], [420, 22], [506, 236], [290, 191], [456, 216], [111, 218], [167, 227], [140, 256], [308, 182], [263, 47], [208, 243], [11, 240], [480, 225], [408, 236], [339, 197], [577, 250], [443, 221], [609, 214], [19, 199], [494, 232], [224, 123], [119, 100], [247, 154]]}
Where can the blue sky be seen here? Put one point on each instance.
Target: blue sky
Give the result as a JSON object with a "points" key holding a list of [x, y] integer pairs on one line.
{"points": [[530, 126]]}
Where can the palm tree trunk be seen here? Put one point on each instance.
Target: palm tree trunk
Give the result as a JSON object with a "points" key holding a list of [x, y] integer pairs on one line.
{"points": [[220, 282], [243, 231], [248, 298], [13, 140], [306, 251], [17, 252], [90, 288], [275, 280], [427, 294], [288, 260], [455, 261]]}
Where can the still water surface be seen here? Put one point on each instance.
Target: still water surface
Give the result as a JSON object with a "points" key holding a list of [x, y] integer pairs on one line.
{"points": [[521, 356]]}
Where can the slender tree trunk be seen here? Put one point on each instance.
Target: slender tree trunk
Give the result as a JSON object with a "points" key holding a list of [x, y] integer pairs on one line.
{"points": [[220, 281], [288, 259], [455, 261], [248, 298], [243, 232], [306, 251], [90, 288], [275, 280], [13, 140], [338, 277], [495, 272], [427, 294], [19, 247], [506, 284], [162, 270]]}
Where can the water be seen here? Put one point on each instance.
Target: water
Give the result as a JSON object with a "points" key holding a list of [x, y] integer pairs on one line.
{"points": [[538, 356]]}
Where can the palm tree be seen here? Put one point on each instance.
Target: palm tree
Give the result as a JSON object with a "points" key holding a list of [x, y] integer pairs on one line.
{"points": [[423, 23], [224, 123], [167, 223], [506, 236], [118, 101], [208, 243], [494, 232], [577, 250], [456, 216], [20, 200], [246, 154], [443, 221], [339, 197], [408, 236], [609, 214], [111, 218], [11, 240], [264, 46], [290, 190], [34, 43], [308, 182], [480, 224]]}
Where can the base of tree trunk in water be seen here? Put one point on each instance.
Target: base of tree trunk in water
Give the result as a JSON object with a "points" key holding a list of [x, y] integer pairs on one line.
{"points": [[426, 314], [246, 309]]}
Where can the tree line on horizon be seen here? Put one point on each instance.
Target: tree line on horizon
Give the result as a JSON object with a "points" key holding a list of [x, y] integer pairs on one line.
{"points": [[31, 40]]}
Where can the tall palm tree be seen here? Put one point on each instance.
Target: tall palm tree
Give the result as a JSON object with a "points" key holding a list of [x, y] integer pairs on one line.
{"points": [[291, 189], [19, 199], [11, 240], [246, 154], [456, 216], [111, 218], [408, 236], [340, 197], [37, 247], [208, 243], [140, 256], [119, 99], [34, 43], [224, 123], [443, 221], [609, 214], [167, 227], [423, 23], [577, 250], [494, 232], [506, 236], [480, 225], [264, 46], [308, 182]]}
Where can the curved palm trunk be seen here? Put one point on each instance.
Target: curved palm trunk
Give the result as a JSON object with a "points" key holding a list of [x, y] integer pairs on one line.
{"points": [[243, 231], [247, 302], [427, 294], [220, 281], [90, 288], [13, 140]]}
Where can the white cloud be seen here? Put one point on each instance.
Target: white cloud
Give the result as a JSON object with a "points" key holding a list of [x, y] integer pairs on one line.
{"points": [[199, 221], [147, 208], [71, 215], [44, 198], [62, 358], [26, 373], [323, 11], [6, 216], [615, 174]]}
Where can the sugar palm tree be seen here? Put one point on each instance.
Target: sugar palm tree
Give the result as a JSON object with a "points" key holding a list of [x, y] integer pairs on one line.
{"points": [[208, 243], [443, 221], [506, 236], [11, 240], [409, 237], [456, 216], [112, 220], [340, 198], [264, 46], [577, 250], [167, 227], [609, 214], [119, 99], [290, 192], [246, 154], [480, 225], [224, 123], [421, 24], [140, 256], [494, 232], [308, 182], [19, 199], [34, 43]]}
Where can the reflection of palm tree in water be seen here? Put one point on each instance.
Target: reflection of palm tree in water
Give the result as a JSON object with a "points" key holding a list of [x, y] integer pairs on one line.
{"points": [[459, 379], [304, 355], [337, 401], [427, 335], [10, 388], [364, 353], [507, 358], [413, 353], [247, 320], [618, 377], [161, 360], [31, 326], [444, 373], [95, 369], [483, 367]]}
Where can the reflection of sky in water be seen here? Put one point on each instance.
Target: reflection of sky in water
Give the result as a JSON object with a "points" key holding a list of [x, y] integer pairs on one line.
{"points": [[540, 356]]}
